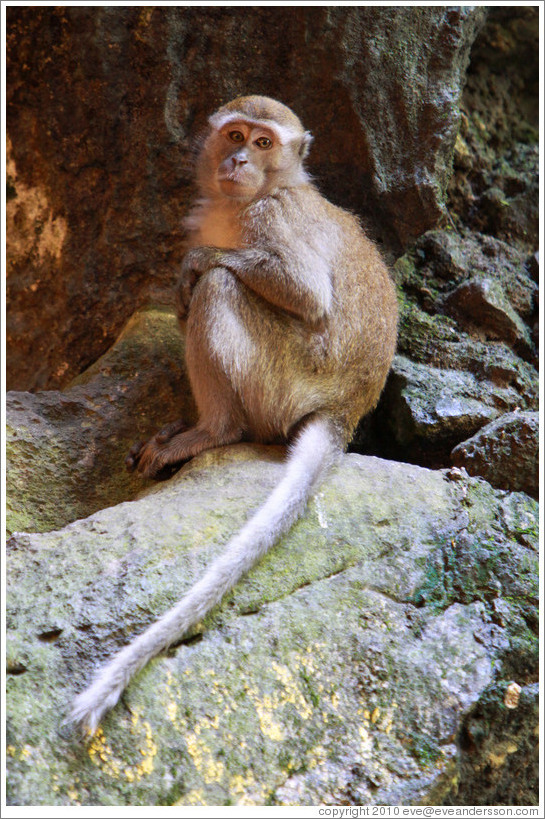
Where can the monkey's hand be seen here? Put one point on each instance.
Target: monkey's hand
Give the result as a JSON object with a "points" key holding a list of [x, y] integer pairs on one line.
{"points": [[196, 262]]}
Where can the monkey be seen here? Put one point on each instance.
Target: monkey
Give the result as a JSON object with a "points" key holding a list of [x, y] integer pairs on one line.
{"points": [[290, 321]]}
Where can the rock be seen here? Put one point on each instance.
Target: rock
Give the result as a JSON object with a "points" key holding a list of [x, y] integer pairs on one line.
{"points": [[532, 264], [348, 668], [481, 304], [439, 341], [66, 450], [385, 652], [466, 347], [101, 102], [497, 741], [445, 260], [434, 404], [504, 452], [495, 185], [425, 410]]}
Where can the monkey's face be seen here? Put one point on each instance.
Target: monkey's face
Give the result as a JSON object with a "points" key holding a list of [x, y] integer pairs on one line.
{"points": [[249, 157]]}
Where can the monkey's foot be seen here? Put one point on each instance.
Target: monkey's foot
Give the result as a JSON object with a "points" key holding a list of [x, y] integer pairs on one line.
{"points": [[151, 458]]}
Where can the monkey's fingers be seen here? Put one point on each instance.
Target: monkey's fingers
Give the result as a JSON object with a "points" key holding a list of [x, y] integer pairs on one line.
{"points": [[170, 430]]}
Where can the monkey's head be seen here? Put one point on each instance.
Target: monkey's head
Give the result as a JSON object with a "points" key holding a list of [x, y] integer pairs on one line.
{"points": [[254, 145]]}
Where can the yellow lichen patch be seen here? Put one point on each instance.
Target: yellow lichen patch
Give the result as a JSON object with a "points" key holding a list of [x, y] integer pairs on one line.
{"points": [[316, 756], [269, 706], [174, 696], [292, 692], [172, 710], [102, 755], [366, 742], [195, 797], [72, 794], [244, 790], [212, 770], [269, 726]]}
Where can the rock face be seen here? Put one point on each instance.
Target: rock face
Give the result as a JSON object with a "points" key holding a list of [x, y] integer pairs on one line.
{"points": [[67, 449], [101, 103], [340, 672], [385, 652], [494, 188], [505, 452]]}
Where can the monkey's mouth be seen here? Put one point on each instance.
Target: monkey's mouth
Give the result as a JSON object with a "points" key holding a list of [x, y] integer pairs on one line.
{"points": [[236, 183], [236, 176]]}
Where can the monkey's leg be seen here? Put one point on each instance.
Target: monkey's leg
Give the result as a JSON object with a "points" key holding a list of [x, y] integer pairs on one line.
{"points": [[217, 356], [154, 456]]}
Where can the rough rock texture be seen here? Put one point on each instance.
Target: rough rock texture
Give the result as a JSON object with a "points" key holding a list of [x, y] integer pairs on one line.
{"points": [[494, 188], [466, 350], [101, 102], [505, 452], [66, 450], [365, 661]]}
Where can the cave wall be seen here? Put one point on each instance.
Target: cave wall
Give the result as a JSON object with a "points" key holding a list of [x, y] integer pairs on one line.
{"points": [[102, 107]]}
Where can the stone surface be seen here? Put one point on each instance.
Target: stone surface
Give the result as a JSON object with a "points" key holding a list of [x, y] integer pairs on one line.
{"points": [[495, 185], [505, 452], [466, 345], [481, 303], [65, 451], [425, 411], [101, 103], [340, 671], [445, 259]]}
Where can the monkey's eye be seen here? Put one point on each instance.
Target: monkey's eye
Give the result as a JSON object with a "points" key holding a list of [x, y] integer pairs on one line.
{"points": [[264, 143], [236, 136]]}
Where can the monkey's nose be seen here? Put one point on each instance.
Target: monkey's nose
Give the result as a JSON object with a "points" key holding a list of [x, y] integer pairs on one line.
{"points": [[238, 159]]}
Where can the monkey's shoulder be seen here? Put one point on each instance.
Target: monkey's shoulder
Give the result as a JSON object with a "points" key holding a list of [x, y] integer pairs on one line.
{"points": [[301, 212]]}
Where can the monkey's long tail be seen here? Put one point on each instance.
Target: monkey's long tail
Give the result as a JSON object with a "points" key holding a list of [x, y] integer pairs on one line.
{"points": [[317, 446]]}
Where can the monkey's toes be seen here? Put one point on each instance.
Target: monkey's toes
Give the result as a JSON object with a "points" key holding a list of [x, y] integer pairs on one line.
{"points": [[133, 456], [170, 430], [153, 462]]}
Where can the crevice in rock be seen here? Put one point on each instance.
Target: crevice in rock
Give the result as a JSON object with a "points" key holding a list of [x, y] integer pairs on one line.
{"points": [[15, 669], [50, 636]]}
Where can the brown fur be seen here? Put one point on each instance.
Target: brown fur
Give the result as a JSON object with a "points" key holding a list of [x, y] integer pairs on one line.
{"points": [[290, 309]]}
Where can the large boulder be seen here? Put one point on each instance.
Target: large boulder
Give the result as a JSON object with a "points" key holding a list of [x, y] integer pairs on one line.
{"points": [[349, 667], [66, 449]]}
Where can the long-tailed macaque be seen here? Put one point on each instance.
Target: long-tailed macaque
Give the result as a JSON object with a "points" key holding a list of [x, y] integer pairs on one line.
{"points": [[290, 320]]}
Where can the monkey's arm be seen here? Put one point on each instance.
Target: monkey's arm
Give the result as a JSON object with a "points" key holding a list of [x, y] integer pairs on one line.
{"points": [[284, 283]]}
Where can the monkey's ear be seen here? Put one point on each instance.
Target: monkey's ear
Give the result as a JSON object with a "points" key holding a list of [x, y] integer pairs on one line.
{"points": [[306, 142]]}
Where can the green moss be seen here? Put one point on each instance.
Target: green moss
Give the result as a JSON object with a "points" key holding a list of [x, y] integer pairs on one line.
{"points": [[420, 333], [426, 752]]}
